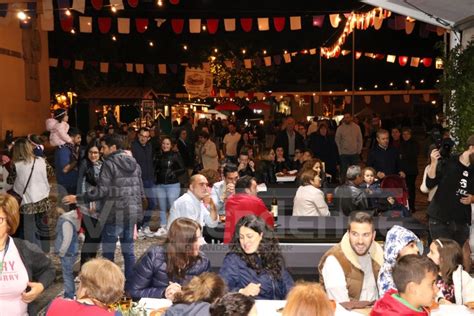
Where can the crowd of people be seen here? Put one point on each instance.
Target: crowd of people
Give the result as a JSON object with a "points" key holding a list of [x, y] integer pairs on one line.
{"points": [[109, 191]]}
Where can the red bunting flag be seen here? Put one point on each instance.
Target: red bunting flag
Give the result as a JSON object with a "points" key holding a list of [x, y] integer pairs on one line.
{"points": [[177, 25], [66, 63], [402, 60], [232, 94], [174, 2], [246, 24], [279, 23], [141, 24], [250, 94], [104, 24], [67, 23], [133, 3], [97, 4], [427, 61], [212, 25]]}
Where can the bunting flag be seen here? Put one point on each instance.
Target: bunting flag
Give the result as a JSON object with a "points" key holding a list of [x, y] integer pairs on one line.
{"points": [[212, 25], [79, 64], [312, 51], [47, 11], [177, 25], [427, 61], [263, 24], [46, 23], [159, 22], [287, 58], [409, 26], [248, 63], [129, 67], [426, 97], [268, 61], [228, 63], [150, 68], [318, 21], [97, 4], [162, 69], [53, 62], [229, 25], [141, 25], [402, 60], [85, 24], [386, 98], [279, 23], [367, 99], [194, 26], [79, 6], [347, 99], [118, 4], [66, 63], [378, 21], [123, 25], [66, 21], [105, 23], [391, 58], [133, 3], [295, 23], [139, 68], [246, 24], [358, 55], [335, 20], [415, 61], [406, 98], [104, 67]]}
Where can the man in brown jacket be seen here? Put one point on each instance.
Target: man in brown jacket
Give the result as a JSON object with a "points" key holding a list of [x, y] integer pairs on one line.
{"points": [[348, 271]]}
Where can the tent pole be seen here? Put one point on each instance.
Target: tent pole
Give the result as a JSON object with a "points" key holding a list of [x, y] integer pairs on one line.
{"points": [[353, 70]]}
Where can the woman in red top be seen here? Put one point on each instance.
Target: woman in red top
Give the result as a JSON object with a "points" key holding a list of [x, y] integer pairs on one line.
{"points": [[101, 284], [244, 202]]}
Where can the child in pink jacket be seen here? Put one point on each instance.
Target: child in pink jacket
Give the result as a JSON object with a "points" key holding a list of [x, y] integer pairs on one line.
{"points": [[58, 128]]}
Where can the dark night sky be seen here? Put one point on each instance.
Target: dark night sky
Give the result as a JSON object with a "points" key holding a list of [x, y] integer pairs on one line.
{"points": [[301, 74]]}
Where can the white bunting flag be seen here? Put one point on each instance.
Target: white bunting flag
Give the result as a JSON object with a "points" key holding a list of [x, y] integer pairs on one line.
{"points": [[287, 58], [194, 26], [79, 6], [263, 24], [139, 68], [248, 63], [104, 67], [78, 64], [229, 25], [118, 4], [53, 62], [295, 23], [162, 69], [159, 22], [129, 67], [268, 61], [85, 24], [123, 25]]}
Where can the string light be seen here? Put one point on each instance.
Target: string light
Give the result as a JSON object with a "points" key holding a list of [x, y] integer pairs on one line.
{"points": [[354, 21], [360, 88], [151, 43], [160, 3], [113, 9], [215, 50], [68, 13], [243, 51], [285, 52], [407, 81], [114, 38], [185, 47], [264, 51], [21, 15], [73, 31], [422, 81], [204, 28], [391, 84], [376, 86]]}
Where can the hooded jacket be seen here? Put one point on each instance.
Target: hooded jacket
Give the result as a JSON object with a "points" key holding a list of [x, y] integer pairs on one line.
{"points": [[194, 309], [390, 306], [150, 278], [58, 132], [119, 190], [397, 238]]}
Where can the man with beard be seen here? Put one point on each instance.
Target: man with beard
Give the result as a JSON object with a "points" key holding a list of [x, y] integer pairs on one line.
{"points": [[348, 271], [450, 209]]}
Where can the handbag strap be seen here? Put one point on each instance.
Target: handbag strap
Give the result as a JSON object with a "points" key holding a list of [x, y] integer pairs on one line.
{"points": [[29, 178]]}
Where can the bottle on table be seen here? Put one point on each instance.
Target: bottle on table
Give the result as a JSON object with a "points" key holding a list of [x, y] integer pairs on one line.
{"points": [[274, 208]]}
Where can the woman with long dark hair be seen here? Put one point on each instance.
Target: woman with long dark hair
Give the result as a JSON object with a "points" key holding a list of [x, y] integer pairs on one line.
{"points": [[254, 265], [265, 170], [168, 167], [89, 171], [162, 270]]}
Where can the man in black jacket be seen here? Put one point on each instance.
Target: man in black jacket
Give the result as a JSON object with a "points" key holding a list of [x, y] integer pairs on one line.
{"points": [[450, 210], [383, 158], [289, 140], [409, 164], [142, 151], [119, 190]]}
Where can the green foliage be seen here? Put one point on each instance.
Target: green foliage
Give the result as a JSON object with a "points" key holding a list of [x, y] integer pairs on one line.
{"points": [[240, 78], [457, 87]]}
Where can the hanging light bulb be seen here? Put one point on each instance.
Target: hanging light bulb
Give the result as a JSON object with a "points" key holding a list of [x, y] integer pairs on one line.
{"points": [[160, 3], [215, 50], [243, 51], [113, 8], [68, 13], [264, 51], [21, 15], [185, 47], [204, 28], [73, 31], [151, 43], [114, 38]]}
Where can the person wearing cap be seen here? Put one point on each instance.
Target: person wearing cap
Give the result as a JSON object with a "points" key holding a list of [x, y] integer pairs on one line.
{"points": [[450, 209]]}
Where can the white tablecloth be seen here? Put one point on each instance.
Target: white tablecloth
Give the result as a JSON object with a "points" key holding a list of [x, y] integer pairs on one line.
{"points": [[286, 178], [452, 310], [264, 307]]}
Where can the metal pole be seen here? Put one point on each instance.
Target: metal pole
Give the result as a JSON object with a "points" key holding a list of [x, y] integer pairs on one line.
{"points": [[320, 84], [353, 70]]}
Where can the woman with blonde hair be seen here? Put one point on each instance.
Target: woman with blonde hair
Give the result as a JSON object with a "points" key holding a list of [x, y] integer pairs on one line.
{"points": [[196, 297], [29, 177], [308, 299], [101, 285]]}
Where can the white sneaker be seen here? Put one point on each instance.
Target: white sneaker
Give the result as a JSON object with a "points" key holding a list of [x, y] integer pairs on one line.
{"points": [[147, 232], [161, 232]]}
